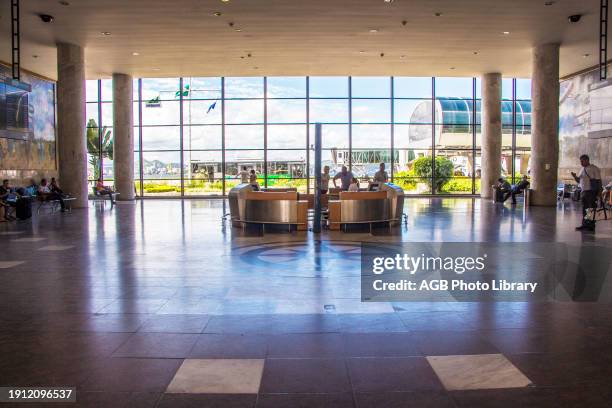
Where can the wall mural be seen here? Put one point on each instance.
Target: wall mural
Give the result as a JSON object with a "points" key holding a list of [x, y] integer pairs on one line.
{"points": [[585, 124], [35, 152]]}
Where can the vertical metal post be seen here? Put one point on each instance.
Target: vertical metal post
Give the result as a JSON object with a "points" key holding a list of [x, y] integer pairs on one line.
{"points": [[316, 223], [474, 118], [307, 135], [513, 152], [15, 41], [603, 40], [433, 135], [223, 136], [350, 112], [140, 158], [182, 159], [392, 160], [100, 132], [265, 135]]}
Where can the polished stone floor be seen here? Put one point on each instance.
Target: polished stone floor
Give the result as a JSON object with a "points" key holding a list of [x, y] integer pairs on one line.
{"points": [[159, 303]]}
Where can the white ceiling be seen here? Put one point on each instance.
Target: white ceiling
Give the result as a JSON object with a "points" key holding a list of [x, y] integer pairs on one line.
{"points": [[308, 37]]}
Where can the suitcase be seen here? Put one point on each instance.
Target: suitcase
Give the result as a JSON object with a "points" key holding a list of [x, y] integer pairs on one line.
{"points": [[23, 209]]}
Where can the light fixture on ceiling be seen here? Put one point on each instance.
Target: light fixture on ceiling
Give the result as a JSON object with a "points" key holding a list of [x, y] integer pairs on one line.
{"points": [[225, 1], [373, 30], [154, 69], [402, 56], [452, 68], [549, 3], [586, 55], [237, 30], [388, 1], [64, 3], [34, 56], [107, 33], [382, 54], [438, 14], [475, 52], [217, 14], [362, 52], [135, 54], [506, 33]]}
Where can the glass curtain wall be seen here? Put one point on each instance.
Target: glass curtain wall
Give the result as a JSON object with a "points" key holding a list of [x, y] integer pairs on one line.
{"points": [[193, 136]]}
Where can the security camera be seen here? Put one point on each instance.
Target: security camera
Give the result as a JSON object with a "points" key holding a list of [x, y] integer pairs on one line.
{"points": [[46, 18], [574, 18]]}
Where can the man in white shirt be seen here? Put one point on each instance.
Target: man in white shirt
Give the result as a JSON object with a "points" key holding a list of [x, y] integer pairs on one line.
{"points": [[589, 180], [243, 175], [381, 175]]}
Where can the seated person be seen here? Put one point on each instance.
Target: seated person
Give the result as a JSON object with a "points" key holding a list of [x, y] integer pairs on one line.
{"points": [[31, 189], [345, 176], [45, 194], [606, 193], [253, 180], [54, 186], [354, 186], [5, 190], [101, 189], [517, 189], [501, 188]]}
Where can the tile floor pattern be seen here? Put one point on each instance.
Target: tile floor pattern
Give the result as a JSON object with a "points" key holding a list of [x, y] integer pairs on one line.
{"points": [[135, 303]]}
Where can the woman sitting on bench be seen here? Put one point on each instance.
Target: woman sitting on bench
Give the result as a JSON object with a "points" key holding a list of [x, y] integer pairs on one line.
{"points": [[101, 189]]}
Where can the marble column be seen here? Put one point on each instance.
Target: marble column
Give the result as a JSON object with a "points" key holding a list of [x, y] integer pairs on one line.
{"points": [[71, 141], [123, 136], [491, 133], [544, 124]]}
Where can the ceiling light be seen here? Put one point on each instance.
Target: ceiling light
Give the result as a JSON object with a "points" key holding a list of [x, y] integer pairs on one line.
{"points": [[438, 14], [135, 54], [402, 56], [154, 69], [586, 55], [452, 68], [475, 52], [373, 30], [225, 1], [106, 33], [388, 1], [549, 3], [506, 33], [217, 14], [34, 56], [237, 30], [64, 3]]}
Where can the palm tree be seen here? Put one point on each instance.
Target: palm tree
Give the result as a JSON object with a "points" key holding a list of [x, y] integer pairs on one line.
{"points": [[97, 149]]}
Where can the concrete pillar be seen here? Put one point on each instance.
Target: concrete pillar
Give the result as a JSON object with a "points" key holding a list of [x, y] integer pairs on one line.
{"points": [[491, 133], [71, 143], [123, 137], [544, 124]]}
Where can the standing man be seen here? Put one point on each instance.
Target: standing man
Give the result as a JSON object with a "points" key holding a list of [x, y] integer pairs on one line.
{"points": [[589, 180], [346, 177], [381, 175]]}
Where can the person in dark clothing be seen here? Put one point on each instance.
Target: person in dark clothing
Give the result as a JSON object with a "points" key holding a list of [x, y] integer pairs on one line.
{"points": [[501, 188], [54, 187], [517, 189], [46, 194], [589, 180]]}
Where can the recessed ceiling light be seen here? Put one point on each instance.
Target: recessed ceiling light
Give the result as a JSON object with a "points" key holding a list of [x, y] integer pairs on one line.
{"points": [[225, 1], [34, 56], [586, 55], [154, 69], [402, 56], [382, 54], [373, 30], [438, 14], [452, 68], [549, 3], [237, 30], [106, 33], [217, 14], [362, 52], [135, 54], [388, 1], [506, 33], [64, 3], [475, 52]]}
